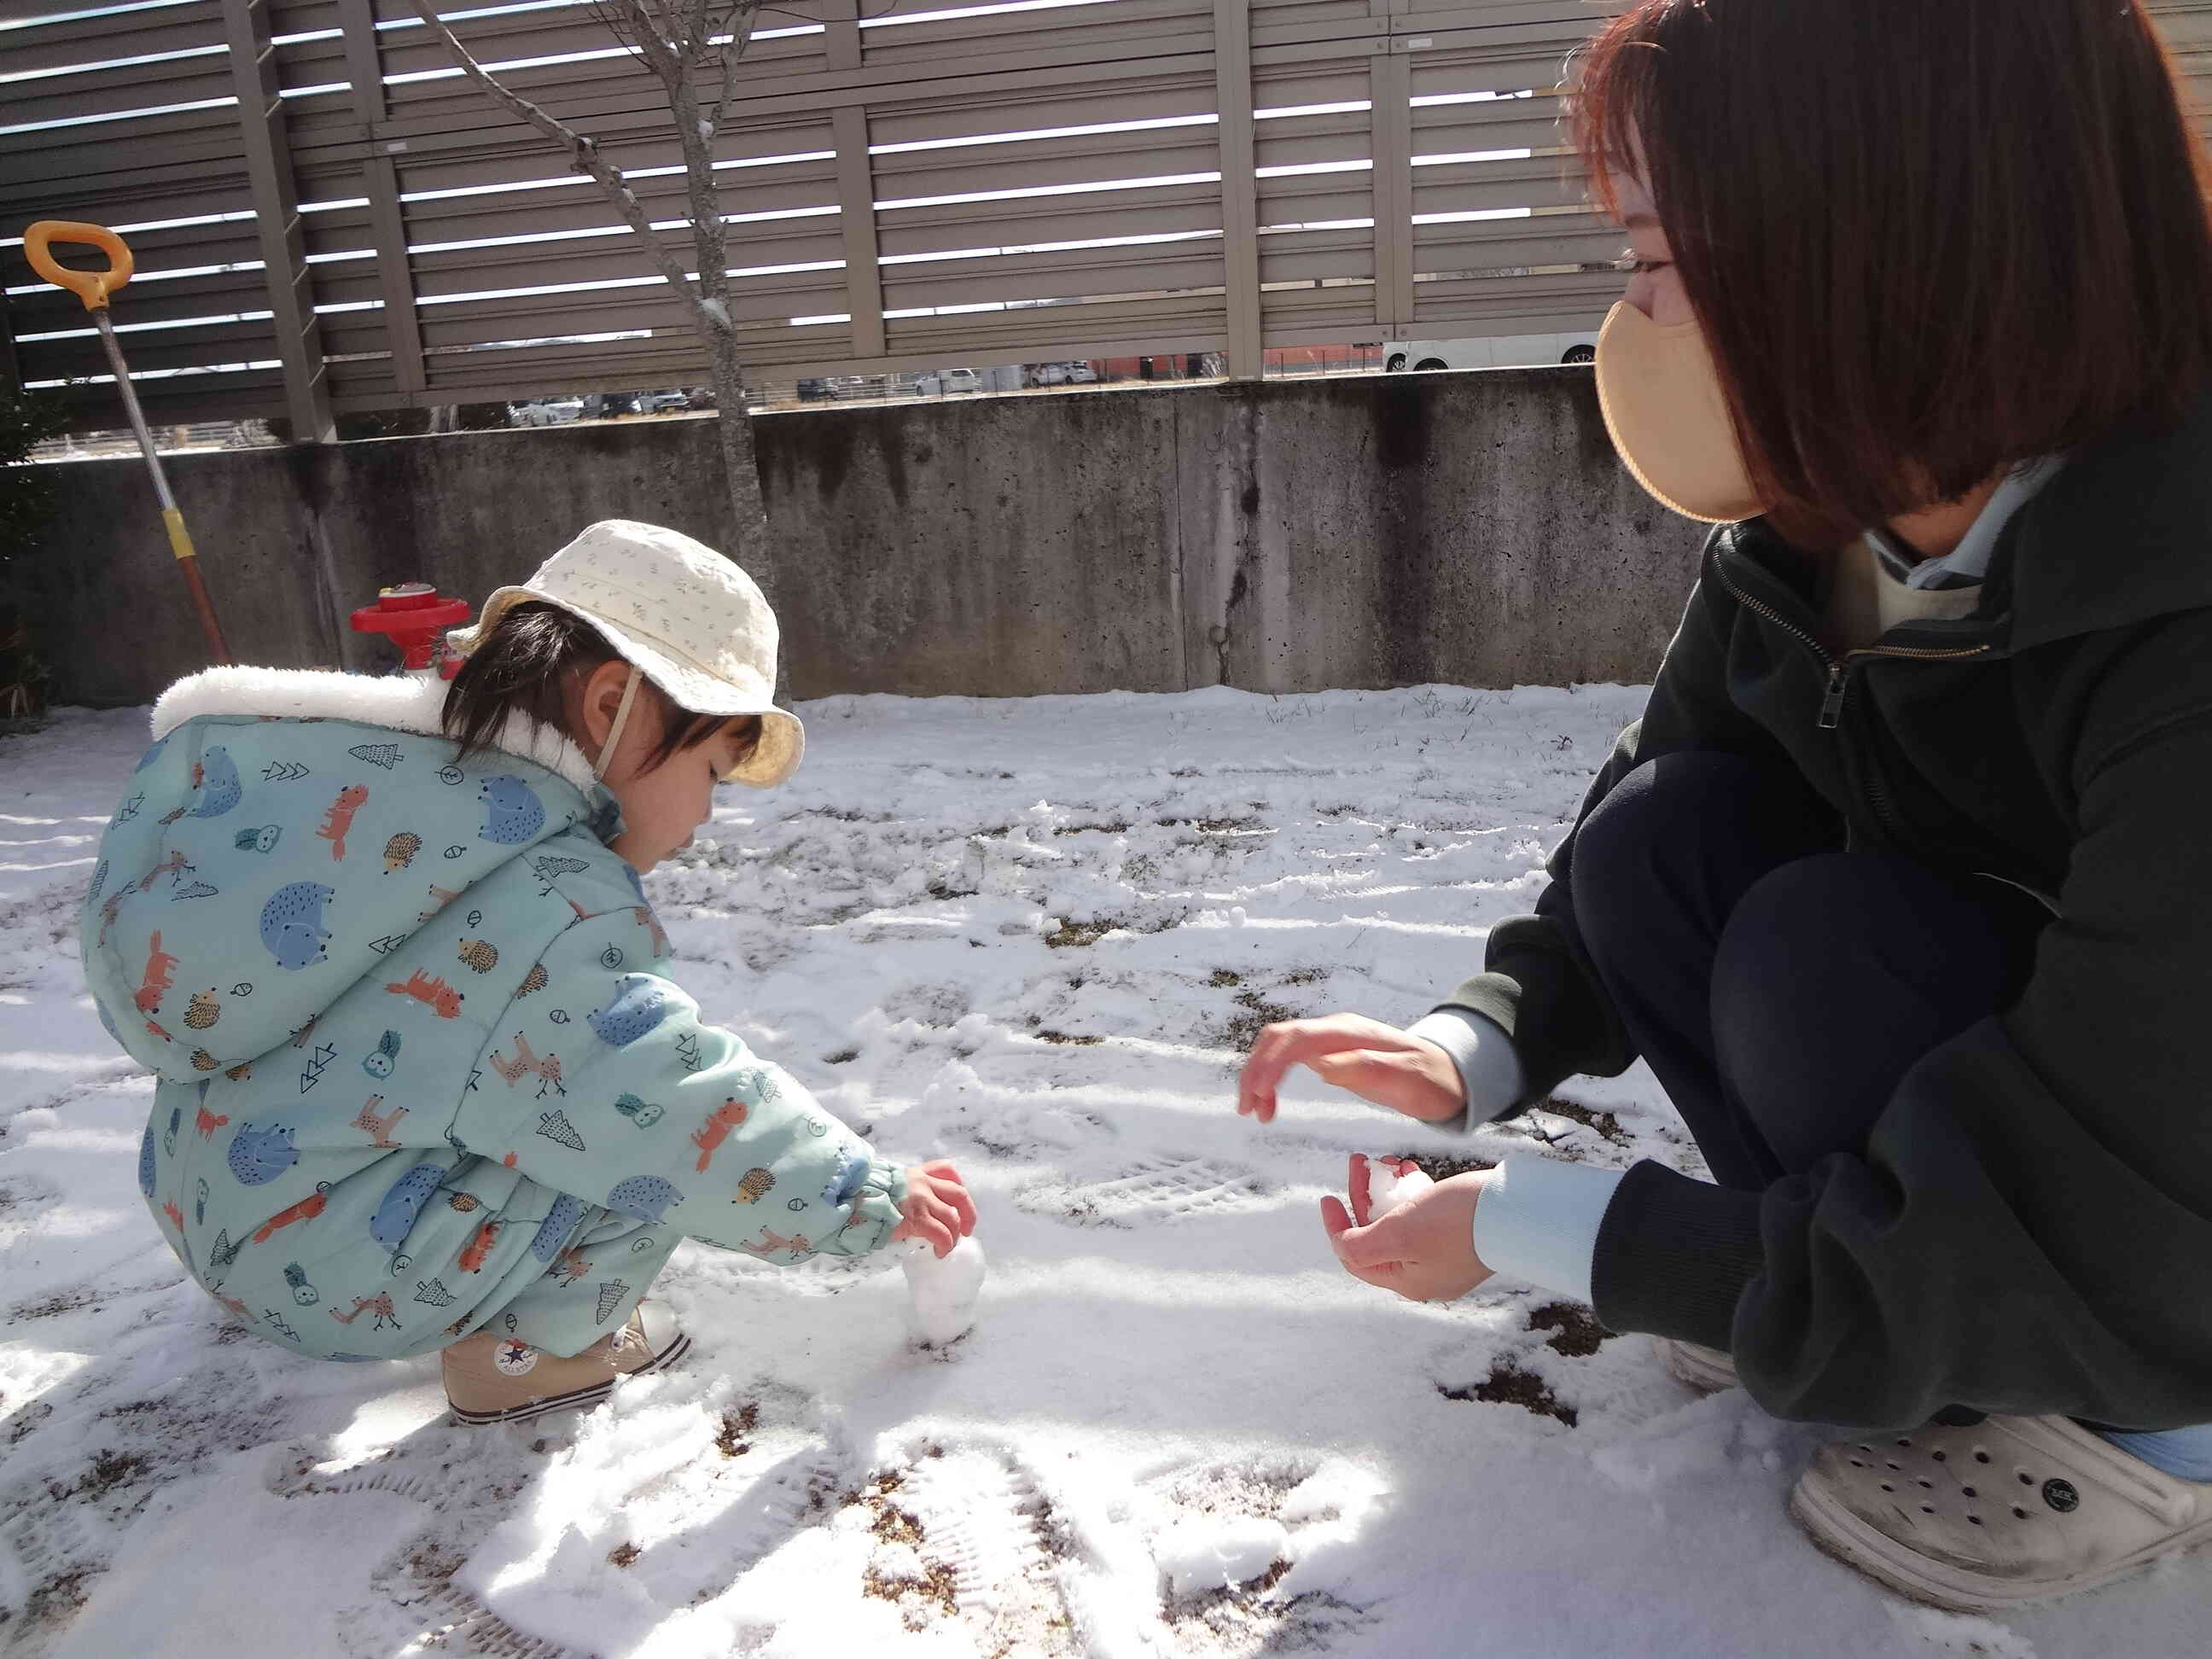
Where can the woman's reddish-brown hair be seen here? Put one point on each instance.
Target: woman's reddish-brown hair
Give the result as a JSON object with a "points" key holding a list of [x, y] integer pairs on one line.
{"points": [[1925, 239]]}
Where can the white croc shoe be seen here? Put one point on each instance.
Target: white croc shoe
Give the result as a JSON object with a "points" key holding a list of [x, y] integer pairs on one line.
{"points": [[2011, 1511], [1696, 1367]]}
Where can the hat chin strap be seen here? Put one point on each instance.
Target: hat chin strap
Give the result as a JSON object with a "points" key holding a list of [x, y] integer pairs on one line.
{"points": [[622, 719]]}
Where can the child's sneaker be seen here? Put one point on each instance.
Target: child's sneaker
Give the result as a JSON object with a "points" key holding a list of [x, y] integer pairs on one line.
{"points": [[1707, 1370], [2010, 1510], [497, 1379]]}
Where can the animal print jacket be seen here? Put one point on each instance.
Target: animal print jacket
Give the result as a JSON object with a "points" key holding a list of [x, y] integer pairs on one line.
{"points": [[417, 1041]]}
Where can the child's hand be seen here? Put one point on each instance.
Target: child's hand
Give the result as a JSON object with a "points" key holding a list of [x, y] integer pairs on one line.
{"points": [[938, 1210], [1423, 1250], [1375, 1061]]}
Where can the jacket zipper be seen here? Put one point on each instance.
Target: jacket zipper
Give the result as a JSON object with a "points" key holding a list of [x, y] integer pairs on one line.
{"points": [[1831, 705], [1840, 680]]}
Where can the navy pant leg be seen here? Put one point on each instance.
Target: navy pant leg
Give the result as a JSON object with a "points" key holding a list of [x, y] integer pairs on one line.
{"points": [[1838, 973], [1659, 866], [1779, 989]]}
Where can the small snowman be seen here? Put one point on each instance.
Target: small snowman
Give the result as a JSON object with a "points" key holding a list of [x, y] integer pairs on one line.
{"points": [[944, 1289], [1384, 1184]]}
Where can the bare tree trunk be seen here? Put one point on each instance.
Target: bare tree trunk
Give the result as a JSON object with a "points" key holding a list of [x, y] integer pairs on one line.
{"points": [[676, 42], [747, 511], [680, 70]]}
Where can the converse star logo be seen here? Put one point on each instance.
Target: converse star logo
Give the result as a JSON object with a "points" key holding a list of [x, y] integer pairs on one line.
{"points": [[514, 1357]]}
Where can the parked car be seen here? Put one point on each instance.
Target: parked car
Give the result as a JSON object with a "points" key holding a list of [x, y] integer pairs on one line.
{"points": [[943, 382], [1505, 351], [699, 396], [657, 402], [1063, 375], [545, 411]]}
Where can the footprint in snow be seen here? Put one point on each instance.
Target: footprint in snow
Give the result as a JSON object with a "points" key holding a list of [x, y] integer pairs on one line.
{"points": [[966, 1534], [1157, 1188], [1227, 1538]]}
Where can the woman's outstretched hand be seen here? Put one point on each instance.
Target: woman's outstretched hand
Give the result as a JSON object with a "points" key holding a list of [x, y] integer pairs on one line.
{"points": [[938, 1210], [1423, 1249], [1375, 1061]]}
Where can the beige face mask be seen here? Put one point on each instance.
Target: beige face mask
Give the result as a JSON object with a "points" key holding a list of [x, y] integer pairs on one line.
{"points": [[1663, 406]]}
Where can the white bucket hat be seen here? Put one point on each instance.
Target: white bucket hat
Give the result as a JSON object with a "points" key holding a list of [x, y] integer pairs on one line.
{"points": [[684, 617]]}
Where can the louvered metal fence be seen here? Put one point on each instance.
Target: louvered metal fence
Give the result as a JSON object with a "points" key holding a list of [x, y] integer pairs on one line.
{"points": [[329, 217]]}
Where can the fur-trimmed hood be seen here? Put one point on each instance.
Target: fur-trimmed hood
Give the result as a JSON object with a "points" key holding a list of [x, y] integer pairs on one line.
{"points": [[287, 832], [401, 702]]}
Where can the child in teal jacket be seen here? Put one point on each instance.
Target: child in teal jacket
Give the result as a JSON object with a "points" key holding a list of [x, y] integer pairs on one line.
{"points": [[423, 1071]]}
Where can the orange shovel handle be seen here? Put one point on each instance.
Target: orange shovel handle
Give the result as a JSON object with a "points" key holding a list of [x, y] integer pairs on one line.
{"points": [[92, 287]]}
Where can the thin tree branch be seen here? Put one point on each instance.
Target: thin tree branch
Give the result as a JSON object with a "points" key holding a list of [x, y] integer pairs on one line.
{"points": [[743, 17], [709, 235], [656, 19], [649, 29], [705, 298], [584, 156], [693, 44], [619, 27]]}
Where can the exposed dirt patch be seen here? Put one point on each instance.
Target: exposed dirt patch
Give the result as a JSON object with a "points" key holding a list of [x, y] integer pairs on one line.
{"points": [[1236, 826], [1250, 1588], [935, 1589], [28, 1419], [58, 1600], [734, 1439], [1248, 1622], [1574, 1328], [109, 1470], [624, 1555], [1242, 1030], [60, 1302], [894, 1525], [932, 1589], [878, 1489], [1439, 1168], [1604, 1123], [1509, 1385]]}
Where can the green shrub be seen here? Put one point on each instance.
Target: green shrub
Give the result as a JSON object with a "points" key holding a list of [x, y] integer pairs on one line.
{"points": [[27, 506]]}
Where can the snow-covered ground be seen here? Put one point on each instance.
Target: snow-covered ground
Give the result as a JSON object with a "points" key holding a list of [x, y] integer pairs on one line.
{"points": [[1034, 937]]}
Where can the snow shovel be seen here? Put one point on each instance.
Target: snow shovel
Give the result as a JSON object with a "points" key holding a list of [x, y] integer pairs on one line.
{"points": [[92, 287]]}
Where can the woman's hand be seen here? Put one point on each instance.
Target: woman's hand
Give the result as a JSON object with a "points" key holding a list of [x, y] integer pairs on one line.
{"points": [[1375, 1061], [1423, 1250], [938, 1210]]}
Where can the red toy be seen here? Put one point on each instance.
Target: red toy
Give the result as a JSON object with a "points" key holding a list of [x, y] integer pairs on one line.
{"points": [[416, 619]]}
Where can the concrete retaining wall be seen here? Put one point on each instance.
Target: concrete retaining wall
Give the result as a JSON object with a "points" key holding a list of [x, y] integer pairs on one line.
{"points": [[1472, 529]]}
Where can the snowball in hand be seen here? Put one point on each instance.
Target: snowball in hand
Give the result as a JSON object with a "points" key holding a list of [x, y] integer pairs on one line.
{"points": [[1391, 1183], [944, 1289]]}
